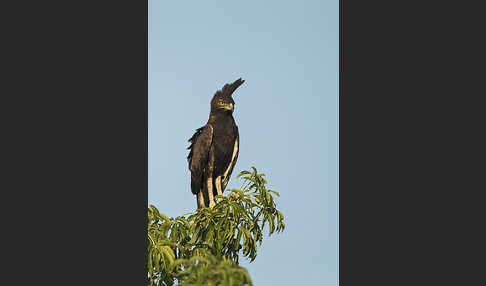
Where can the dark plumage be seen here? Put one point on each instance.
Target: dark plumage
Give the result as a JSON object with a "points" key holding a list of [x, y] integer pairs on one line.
{"points": [[214, 148]]}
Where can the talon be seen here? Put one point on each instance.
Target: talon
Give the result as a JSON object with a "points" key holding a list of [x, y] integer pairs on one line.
{"points": [[233, 195]]}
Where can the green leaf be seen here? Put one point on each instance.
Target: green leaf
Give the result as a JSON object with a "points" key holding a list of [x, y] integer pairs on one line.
{"points": [[203, 247]]}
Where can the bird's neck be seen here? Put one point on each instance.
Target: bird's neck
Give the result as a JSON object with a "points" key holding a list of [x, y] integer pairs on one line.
{"points": [[220, 116]]}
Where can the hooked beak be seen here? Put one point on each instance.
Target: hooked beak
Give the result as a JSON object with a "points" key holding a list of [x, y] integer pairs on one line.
{"points": [[229, 107]]}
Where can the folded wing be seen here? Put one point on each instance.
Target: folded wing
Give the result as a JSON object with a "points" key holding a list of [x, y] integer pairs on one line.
{"points": [[199, 155]]}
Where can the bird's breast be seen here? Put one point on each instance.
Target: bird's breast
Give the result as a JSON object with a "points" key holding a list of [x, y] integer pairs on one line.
{"points": [[223, 150]]}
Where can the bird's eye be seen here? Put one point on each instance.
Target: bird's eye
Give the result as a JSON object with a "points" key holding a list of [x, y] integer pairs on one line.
{"points": [[221, 103]]}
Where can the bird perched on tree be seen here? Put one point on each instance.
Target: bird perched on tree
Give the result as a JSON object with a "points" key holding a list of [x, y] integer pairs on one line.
{"points": [[214, 148]]}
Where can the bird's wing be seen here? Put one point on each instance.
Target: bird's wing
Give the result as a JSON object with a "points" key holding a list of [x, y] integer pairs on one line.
{"points": [[199, 155]]}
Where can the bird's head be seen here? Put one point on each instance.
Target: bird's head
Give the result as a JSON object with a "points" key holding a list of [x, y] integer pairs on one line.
{"points": [[223, 100]]}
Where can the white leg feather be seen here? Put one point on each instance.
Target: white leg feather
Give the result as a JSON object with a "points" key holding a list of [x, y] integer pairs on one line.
{"points": [[210, 192], [219, 189]]}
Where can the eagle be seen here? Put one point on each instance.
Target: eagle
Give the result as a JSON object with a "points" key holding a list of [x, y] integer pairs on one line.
{"points": [[214, 148]]}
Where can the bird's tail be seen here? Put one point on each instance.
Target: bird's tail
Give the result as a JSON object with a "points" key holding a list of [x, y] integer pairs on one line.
{"points": [[196, 184]]}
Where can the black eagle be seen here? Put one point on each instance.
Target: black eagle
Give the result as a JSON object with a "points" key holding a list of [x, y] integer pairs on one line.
{"points": [[214, 148]]}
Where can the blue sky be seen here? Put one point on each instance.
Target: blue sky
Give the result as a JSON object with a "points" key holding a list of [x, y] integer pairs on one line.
{"points": [[286, 111]]}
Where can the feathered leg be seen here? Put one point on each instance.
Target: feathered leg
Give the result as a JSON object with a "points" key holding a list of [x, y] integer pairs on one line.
{"points": [[210, 192], [200, 200], [209, 180], [217, 183]]}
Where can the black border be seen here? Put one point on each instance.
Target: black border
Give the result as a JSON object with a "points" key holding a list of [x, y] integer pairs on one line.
{"points": [[376, 243], [410, 143], [76, 143]]}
